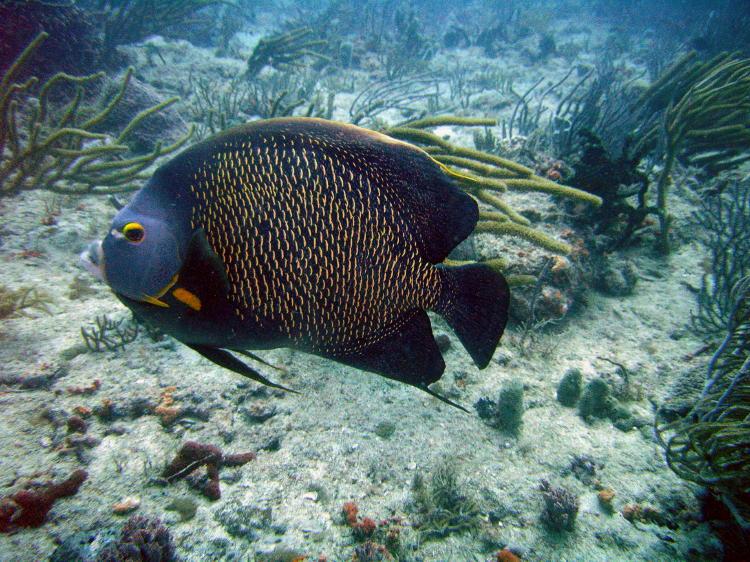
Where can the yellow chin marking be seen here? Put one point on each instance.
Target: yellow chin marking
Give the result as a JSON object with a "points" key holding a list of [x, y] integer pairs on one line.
{"points": [[168, 286], [153, 300], [187, 298]]}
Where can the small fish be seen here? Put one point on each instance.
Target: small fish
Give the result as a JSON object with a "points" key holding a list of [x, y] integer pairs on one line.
{"points": [[309, 234]]}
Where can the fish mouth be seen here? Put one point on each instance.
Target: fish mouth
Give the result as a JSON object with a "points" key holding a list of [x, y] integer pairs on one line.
{"points": [[92, 260]]}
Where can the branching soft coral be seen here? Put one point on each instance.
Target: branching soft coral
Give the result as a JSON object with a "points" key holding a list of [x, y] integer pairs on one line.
{"points": [[487, 177], [20, 301]]}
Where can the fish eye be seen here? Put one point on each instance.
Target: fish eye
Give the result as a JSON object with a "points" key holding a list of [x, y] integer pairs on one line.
{"points": [[134, 232]]}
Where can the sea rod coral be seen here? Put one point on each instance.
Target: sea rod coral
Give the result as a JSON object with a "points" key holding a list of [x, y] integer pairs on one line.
{"points": [[709, 445], [486, 177], [706, 116], [57, 149]]}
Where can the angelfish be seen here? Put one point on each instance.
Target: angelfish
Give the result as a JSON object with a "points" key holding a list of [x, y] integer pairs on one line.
{"points": [[309, 234]]}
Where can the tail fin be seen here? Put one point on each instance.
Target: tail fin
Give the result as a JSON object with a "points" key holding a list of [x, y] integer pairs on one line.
{"points": [[475, 302]]}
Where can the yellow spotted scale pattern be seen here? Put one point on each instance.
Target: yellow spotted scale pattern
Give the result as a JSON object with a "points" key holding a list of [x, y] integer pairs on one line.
{"points": [[315, 241]]}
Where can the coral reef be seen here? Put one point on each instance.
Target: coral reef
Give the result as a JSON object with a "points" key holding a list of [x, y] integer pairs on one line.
{"points": [[485, 176], [46, 147], [706, 117], [193, 455], [594, 171], [130, 21], [29, 507], [695, 111], [550, 96], [560, 507]]}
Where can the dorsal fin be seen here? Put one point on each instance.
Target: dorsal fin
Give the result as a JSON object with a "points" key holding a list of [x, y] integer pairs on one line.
{"points": [[438, 213]]}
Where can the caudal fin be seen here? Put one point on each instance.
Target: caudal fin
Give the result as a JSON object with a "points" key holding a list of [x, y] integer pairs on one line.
{"points": [[475, 302]]}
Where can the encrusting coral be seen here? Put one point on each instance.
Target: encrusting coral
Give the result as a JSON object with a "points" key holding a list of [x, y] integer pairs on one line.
{"points": [[57, 150], [29, 507], [193, 455]]}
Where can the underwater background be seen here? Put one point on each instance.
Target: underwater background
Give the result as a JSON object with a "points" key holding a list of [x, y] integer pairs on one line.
{"points": [[607, 145]]}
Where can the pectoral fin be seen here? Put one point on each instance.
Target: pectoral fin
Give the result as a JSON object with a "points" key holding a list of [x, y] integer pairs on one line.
{"points": [[202, 283], [223, 358], [259, 360]]}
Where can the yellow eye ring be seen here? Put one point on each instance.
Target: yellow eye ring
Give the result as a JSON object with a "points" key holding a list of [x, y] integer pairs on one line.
{"points": [[134, 232]]}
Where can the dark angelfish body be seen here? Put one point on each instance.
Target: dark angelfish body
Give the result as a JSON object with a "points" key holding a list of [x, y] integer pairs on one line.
{"points": [[308, 234]]}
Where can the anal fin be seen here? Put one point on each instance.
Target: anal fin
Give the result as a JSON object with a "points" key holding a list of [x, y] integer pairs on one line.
{"points": [[409, 355]]}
